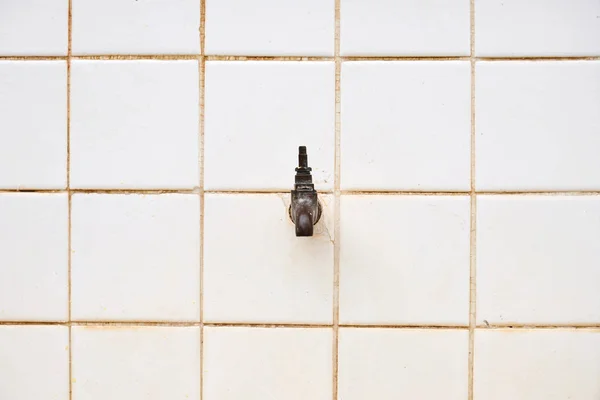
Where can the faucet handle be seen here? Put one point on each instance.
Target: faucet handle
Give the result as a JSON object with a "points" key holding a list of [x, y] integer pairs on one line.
{"points": [[305, 209]]}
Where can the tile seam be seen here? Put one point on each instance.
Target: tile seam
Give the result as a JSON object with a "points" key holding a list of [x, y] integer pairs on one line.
{"points": [[69, 195], [234, 58], [201, 102], [473, 211], [337, 194]]}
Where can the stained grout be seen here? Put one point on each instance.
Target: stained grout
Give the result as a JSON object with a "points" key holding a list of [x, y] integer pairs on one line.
{"points": [[337, 193], [473, 213], [208, 57], [70, 202], [125, 323], [341, 192], [201, 100]]}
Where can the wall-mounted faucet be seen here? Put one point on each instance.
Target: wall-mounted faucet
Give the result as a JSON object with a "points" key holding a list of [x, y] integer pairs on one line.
{"points": [[305, 209]]}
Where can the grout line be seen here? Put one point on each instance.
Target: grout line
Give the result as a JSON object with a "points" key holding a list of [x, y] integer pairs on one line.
{"points": [[473, 214], [201, 100], [266, 192], [267, 58], [337, 194], [124, 323], [173, 57], [69, 241], [405, 58]]}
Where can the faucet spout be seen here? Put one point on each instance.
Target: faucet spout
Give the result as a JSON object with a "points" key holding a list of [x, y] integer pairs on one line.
{"points": [[305, 209]]}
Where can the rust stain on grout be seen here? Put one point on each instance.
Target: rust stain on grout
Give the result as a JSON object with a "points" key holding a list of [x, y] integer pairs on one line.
{"points": [[473, 212], [336, 194], [124, 323], [201, 101], [158, 57], [267, 58], [405, 58], [197, 190], [175, 57], [70, 202]]}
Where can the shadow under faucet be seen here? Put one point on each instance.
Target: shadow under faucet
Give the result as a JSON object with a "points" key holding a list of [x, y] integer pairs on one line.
{"points": [[305, 209]]}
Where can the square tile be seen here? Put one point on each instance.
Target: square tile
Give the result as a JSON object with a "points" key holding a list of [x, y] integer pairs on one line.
{"points": [[34, 253], [390, 364], [136, 27], [537, 28], [541, 364], [537, 125], [404, 260], [278, 106], [136, 363], [270, 27], [538, 259], [405, 27], [272, 276], [34, 362], [267, 363], [34, 27], [406, 125], [33, 127], [142, 116], [135, 257]]}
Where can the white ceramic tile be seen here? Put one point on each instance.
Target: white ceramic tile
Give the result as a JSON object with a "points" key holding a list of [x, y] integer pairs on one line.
{"points": [[134, 124], [256, 116], [543, 364], [267, 363], [136, 27], [135, 257], [33, 257], [404, 260], [34, 27], [537, 125], [405, 27], [257, 270], [136, 363], [537, 259], [406, 125], [33, 126], [270, 27], [390, 364], [34, 362], [537, 27]]}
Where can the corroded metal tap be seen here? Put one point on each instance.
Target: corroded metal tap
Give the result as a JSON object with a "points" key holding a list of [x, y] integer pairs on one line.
{"points": [[305, 209]]}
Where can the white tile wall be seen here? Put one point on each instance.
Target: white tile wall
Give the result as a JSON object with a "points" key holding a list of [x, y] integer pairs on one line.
{"points": [[267, 363], [390, 141], [136, 27], [142, 116], [391, 364], [34, 27], [404, 27], [538, 125], [33, 126], [135, 363], [271, 277], [147, 150], [543, 364], [537, 27], [257, 113], [405, 260], [135, 257], [538, 259], [270, 27], [34, 266], [34, 362]]}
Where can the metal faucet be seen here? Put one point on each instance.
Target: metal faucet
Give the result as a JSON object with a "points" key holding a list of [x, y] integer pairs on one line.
{"points": [[305, 209]]}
